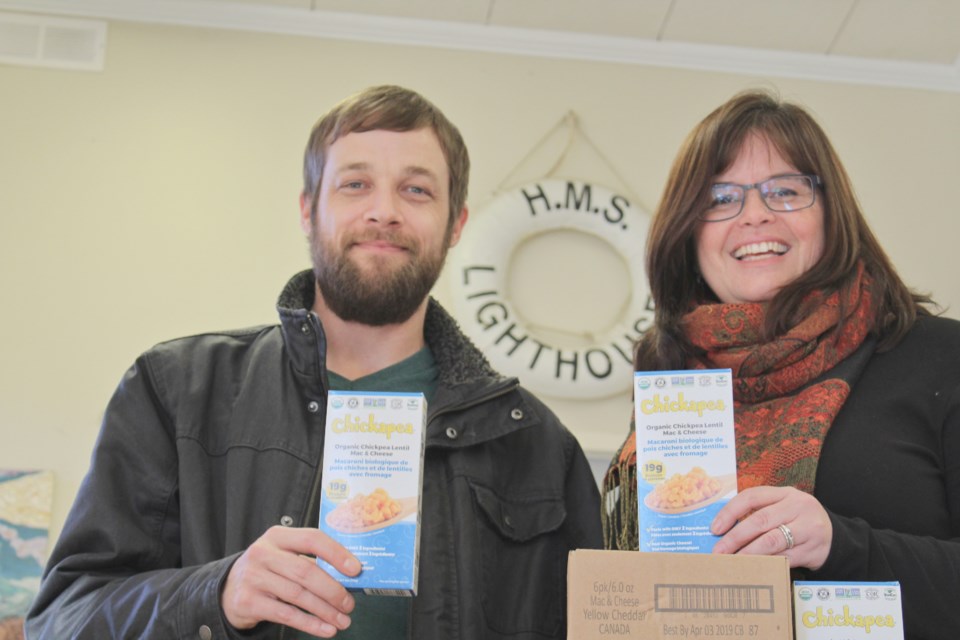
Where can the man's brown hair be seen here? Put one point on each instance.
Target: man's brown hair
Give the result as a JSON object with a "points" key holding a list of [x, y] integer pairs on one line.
{"points": [[390, 108]]}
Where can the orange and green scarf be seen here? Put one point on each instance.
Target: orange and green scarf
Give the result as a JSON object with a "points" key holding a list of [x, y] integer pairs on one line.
{"points": [[787, 392]]}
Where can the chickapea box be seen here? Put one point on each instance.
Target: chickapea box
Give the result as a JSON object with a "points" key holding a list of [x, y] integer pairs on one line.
{"points": [[372, 480], [660, 596], [847, 610], [686, 456]]}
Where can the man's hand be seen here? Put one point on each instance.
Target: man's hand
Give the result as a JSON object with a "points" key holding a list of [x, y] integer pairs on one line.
{"points": [[275, 581]]}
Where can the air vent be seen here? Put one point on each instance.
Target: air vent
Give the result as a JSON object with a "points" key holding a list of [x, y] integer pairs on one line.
{"points": [[61, 43]]}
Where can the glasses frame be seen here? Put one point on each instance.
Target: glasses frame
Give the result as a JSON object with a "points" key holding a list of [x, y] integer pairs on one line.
{"points": [[815, 179]]}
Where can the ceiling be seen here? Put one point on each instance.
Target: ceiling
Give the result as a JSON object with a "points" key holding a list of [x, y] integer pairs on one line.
{"points": [[915, 30], [912, 43]]}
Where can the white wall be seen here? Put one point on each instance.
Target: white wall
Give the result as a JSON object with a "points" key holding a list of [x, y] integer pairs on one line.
{"points": [[159, 197]]}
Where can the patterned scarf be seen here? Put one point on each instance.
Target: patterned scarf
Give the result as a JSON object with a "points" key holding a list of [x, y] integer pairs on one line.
{"points": [[787, 391]]}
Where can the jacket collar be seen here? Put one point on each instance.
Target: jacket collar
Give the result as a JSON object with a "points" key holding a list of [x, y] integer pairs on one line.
{"points": [[458, 360]]}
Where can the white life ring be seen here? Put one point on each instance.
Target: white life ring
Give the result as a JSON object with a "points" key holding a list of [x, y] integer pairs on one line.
{"points": [[480, 262]]}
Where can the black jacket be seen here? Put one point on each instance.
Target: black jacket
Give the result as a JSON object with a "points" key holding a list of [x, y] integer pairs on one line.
{"points": [[212, 439], [889, 479]]}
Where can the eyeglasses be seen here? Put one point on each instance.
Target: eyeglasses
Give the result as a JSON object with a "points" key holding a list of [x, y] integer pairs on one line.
{"points": [[781, 193]]}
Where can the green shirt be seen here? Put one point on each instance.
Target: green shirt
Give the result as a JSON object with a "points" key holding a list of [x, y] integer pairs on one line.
{"points": [[386, 617]]}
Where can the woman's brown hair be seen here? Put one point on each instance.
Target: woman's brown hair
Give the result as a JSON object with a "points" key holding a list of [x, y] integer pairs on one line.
{"points": [[711, 148]]}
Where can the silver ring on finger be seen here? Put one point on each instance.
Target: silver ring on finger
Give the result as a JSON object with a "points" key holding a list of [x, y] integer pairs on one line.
{"points": [[787, 535]]}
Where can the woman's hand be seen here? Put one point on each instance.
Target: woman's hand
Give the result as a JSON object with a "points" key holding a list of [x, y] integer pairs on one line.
{"points": [[775, 521]]}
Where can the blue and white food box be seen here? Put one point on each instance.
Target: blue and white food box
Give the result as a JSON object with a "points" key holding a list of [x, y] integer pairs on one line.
{"points": [[686, 456], [371, 486], [847, 610]]}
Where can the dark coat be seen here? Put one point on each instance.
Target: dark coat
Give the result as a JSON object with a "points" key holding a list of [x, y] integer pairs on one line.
{"points": [[212, 439], [889, 479]]}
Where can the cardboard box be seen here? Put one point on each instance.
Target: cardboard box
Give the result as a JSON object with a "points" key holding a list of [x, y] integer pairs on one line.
{"points": [[659, 596], [372, 483], [847, 610], [686, 459]]}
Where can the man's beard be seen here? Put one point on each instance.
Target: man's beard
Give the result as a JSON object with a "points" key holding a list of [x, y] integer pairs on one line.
{"points": [[381, 294]]}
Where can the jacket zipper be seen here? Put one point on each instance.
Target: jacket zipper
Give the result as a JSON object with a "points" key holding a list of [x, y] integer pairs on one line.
{"points": [[318, 474]]}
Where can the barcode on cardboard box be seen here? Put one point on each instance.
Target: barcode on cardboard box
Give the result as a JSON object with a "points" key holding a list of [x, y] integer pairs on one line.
{"points": [[726, 598]]}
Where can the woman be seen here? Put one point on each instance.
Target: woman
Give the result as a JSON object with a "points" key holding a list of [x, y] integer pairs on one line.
{"points": [[847, 388]]}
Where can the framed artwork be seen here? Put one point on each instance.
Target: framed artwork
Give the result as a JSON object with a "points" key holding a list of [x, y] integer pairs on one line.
{"points": [[25, 504]]}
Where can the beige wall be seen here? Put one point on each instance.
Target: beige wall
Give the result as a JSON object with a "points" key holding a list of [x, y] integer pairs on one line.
{"points": [[159, 197]]}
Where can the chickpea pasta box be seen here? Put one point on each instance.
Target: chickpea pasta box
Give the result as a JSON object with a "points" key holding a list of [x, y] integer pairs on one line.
{"points": [[847, 610], [686, 456], [371, 486]]}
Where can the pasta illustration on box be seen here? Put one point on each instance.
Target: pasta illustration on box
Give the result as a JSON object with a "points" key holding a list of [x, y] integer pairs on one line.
{"points": [[370, 512], [686, 458], [692, 490], [372, 479]]}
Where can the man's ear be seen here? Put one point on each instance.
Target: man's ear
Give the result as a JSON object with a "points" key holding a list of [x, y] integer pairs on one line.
{"points": [[458, 226], [306, 204]]}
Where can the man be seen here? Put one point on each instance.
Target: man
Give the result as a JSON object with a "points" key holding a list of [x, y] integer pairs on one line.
{"points": [[198, 516]]}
